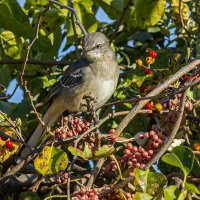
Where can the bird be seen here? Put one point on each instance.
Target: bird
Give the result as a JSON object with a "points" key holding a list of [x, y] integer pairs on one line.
{"points": [[94, 76]]}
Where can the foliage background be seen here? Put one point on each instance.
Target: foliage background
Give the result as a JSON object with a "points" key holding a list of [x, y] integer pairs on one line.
{"points": [[169, 27]]}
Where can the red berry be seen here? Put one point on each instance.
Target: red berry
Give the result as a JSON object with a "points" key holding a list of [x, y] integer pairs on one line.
{"points": [[9, 144], [127, 151], [79, 129], [148, 158], [155, 137], [153, 54], [147, 71], [129, 163], [155, 145], [150, 152], [134, 149], [63, 135], [137, 165], [63, 130], [185, 78], [145, 154], [148, 106], [57, 131], [143, 88], [160, 141], [4, 138], [141, 150], [194, 79], [112, 131], [146, 135], [91, 144], [112, 138], [141, 136], [151, 133], [129, 146], [137, 155], [134, 160], [69, 134], [142, 165]]}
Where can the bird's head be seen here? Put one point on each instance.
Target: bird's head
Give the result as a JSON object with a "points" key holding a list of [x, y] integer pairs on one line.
{"points": [[96, 47]]}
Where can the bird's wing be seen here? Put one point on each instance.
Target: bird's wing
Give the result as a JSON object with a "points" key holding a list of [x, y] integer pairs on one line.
{"points": [[72, 77]]}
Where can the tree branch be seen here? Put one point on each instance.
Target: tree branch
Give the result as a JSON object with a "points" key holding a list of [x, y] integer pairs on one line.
{"points": [[156, 91], [78, 22], [157, 156], [120, 21], [34, 62]]}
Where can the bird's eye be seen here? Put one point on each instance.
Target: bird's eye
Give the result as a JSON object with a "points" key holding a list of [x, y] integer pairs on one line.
{"points": [[98, 46]]}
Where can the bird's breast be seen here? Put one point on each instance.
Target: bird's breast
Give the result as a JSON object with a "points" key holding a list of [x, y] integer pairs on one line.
{"points": [[104, 91]]}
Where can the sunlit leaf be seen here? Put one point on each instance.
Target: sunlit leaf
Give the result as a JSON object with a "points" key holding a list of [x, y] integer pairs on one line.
{"points": [[171, 192], [142, 196], [149, 182], [181, 157], [149, 12], [191, 188], [51, 160]]}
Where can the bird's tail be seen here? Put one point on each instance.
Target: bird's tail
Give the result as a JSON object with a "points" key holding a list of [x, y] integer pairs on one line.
{"points": [[49, 118]]}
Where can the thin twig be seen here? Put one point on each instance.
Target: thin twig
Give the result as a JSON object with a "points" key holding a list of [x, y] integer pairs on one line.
{"points": [[35, 62], [78, 22], [74, 29], [120, 21], [154, 92], [23, 82], [155, 96], [95, 172], [10, 95]]}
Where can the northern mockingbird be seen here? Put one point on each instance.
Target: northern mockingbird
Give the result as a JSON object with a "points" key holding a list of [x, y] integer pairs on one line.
{"points": [[95, 75]]}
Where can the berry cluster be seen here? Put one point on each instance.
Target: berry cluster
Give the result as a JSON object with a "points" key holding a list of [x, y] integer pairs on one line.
{"points": [[85, 194], [128, 196], [62, 177], [149, 60], [173, 104], [72, 127], [136, 156]]}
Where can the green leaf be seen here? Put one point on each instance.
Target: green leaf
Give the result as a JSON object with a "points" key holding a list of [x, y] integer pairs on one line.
{"points": [[171, 192], [103, 152], [5, 77], [142, 196], [21, 109], [14, 19], [149, 182], [182, 195], [7, 107], [149, 12], [181, 157], [51, 160], [113, 8], [85, 10], [11, 45], [86, 154], [191, 188], [29, 196]]}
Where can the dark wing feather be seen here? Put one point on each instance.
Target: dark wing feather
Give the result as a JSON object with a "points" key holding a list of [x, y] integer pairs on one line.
{"points": [[73, 76]]}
